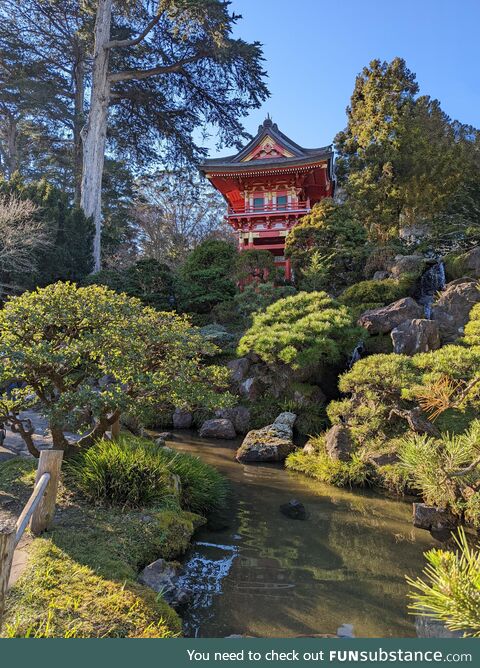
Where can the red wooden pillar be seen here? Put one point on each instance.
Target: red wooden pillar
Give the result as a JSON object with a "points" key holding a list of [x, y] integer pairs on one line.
{"points": [[288, 270]]}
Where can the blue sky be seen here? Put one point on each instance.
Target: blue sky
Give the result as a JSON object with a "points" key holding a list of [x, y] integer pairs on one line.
{"points": [[315, 48]]}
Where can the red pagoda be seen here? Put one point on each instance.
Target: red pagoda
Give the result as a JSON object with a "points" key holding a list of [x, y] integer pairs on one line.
{"points": [[269, 185]]}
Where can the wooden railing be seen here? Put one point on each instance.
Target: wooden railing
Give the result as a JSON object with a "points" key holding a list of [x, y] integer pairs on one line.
{"points": [[268, 207], [38, 512]]}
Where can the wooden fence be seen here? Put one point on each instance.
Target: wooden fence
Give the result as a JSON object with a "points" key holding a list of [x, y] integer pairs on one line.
{"points": [[38, 512]]}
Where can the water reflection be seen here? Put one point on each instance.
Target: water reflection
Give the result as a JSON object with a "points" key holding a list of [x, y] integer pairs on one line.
{"points": [[270, 576]]}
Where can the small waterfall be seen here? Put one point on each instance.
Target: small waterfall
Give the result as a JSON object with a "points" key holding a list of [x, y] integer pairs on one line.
{"points": [[432, 281], [356, 354]]}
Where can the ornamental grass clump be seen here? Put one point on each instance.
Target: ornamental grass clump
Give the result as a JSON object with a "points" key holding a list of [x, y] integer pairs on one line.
{"points": [[450, 588], [137, 473]]}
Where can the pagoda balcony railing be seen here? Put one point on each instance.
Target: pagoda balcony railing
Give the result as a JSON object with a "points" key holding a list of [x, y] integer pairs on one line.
{"points": [[268, 208]]}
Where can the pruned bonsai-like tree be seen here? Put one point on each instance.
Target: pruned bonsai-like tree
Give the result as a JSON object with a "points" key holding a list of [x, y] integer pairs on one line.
{"points": [[85, 356]]}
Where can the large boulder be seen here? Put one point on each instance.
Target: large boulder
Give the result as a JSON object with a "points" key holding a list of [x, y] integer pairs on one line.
{"points": [[217, 428], [271, 443], [239, 368], [415, 336], [383, 320], [338, 443], [452, 309], [238, 415], [182, 419], [406, 264], [468, 263]]}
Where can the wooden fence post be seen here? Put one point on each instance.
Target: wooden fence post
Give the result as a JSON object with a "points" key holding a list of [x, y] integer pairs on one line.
{"points": [[115, 430], [50, 462], [7, 548]]}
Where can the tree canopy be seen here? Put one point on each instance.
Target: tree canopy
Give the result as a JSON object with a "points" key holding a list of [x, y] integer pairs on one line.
{"points": [[87, 355]]}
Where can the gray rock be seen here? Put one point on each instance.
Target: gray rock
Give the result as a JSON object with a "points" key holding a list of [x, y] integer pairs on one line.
{"points": [[309, 449], [238, 415], [217, 428], [218, 335], [251, 388], [162, 577], [294, 509], [160, 442], [239, 368], [380, 275], [427, 627], [182, 419], [406, 264], [415, 336], [383, 320], [470, 262], [338, 443], [452, 309], [432, 518], [271, 443], [166, 435]]}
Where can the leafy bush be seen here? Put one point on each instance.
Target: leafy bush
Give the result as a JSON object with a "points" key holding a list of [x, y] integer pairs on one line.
{"points": [[472, 328], [137, 473], [302, 331], [445, 471], [450, 590], [379, 293], [255, 265], [330, 230], [257, 296], [148, 280], [207, 277]]}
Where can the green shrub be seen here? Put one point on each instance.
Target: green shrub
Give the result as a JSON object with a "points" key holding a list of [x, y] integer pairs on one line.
{"points": [[443, 469], [257, 296], [450, 588], [393, 478], [302, 331], [327, 248], [472, 328], [134, 472], [380, 293], [354, 473], [147, 279]]}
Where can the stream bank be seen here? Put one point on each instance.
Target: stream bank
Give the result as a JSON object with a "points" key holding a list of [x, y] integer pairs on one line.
{"points": [[270, 576]]}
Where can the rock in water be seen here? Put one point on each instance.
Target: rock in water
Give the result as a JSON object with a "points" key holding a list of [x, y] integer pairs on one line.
{"points": [[415, 336], [383, 320], [271, 443], [338, 443], [452, 309], [432, 518], [162, 577], [182, 419], [217, 428], [239, 416], [294, 509]]}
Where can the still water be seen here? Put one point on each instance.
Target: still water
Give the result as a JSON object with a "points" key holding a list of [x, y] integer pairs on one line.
{"points": [[270, 576]]}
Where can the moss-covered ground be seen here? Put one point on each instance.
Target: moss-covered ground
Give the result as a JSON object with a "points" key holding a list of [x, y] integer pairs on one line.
{"points": [[81, 577]]}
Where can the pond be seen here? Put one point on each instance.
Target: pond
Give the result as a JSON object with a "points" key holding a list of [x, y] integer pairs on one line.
{"points": [[270, 576]]}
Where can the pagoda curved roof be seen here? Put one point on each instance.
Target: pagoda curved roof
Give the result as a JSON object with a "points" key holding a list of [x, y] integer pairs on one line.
{"points": [[295, 154]]}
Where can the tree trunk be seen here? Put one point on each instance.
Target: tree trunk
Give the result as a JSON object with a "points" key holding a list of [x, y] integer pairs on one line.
{"points": [[95, 131], [78, 118], [12, 143]]}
